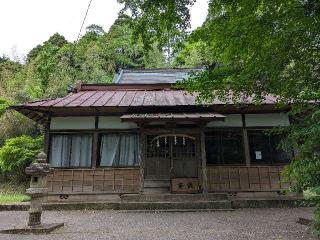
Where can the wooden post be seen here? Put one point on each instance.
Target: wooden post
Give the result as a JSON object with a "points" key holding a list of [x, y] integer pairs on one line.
{"points": [[95, 145], [95, 150], [142, 157], [203, 162], [47, 136], [245, 141]]}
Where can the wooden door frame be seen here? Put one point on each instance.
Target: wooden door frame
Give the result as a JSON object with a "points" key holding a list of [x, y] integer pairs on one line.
{"points": [[156, 159], [194, 135]]}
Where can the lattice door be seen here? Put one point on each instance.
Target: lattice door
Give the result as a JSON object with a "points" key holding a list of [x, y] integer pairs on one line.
{"points": [[170, 156]]}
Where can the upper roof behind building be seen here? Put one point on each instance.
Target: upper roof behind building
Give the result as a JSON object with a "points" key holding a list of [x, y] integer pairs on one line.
{"points": [[152, 76]]}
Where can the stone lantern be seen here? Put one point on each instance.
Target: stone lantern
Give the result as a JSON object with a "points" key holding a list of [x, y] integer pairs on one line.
{"points": [[37, 191], [38, 188]]}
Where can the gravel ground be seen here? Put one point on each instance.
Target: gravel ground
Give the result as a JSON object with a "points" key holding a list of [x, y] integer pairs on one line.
{"points": [[255, 224]]}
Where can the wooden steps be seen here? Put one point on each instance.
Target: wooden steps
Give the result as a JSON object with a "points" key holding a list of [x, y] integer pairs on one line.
{"points": [[167, 201], [173, 197], [158, 206], [156, 186]]}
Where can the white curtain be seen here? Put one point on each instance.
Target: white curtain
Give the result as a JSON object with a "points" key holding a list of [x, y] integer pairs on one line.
{"points": [[119, 150], [81, 149], [71, 151]]}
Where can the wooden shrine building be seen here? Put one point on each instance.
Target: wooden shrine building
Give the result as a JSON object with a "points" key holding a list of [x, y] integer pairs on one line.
{"points": [[141, 135]]}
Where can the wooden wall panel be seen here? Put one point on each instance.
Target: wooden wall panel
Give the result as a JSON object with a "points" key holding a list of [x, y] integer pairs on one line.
{"points": [[68, 181], [242, 178]]}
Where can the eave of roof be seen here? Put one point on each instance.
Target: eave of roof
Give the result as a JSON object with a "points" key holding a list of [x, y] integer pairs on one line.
{"points": [[93, 99], [129, 98], [203, 116]]}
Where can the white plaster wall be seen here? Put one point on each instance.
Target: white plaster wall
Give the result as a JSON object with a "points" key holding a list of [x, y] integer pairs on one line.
{"points": [[232, 120], [61, 123], [267, 120], [115, 123]]}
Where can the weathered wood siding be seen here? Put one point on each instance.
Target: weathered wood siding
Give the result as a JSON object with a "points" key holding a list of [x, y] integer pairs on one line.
{"points": [[116, 180], [242, 178], [127, 180]]}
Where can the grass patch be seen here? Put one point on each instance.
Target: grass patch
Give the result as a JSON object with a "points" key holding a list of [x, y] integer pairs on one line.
{"points": [[13, 198], [11, 193]]}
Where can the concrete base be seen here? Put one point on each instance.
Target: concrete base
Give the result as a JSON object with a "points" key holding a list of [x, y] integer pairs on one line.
{"points": [[42, 229], [173, 197], [84, 198], [268, 203], [173, 201]]}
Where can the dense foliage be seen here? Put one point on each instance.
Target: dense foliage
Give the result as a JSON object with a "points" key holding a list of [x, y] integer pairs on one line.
{"points": [[259, 47], [164, 22], [16, 154], [4, 104]]}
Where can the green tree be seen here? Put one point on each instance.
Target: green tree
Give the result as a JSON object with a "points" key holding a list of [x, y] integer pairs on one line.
{"points": [[17, 154], [264, 47], [164, 22], [40, 69], [96, 29], [193, 54], [34, 53], [8, 71]]}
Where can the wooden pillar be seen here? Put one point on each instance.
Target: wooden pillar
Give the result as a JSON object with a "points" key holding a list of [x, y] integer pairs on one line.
{"points": [[142, 139], [95, 150], [95, 145], [203, 162], [245, 141], [46, 147]]}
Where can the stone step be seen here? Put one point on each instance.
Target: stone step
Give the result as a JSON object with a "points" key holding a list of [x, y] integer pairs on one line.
{"points": [[217, 205], [156, 190], [156, 183], [167, 197]]}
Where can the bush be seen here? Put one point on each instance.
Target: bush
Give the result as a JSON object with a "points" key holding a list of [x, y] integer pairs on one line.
{"points": [[4, 104], [16, 154], [14, 124]]}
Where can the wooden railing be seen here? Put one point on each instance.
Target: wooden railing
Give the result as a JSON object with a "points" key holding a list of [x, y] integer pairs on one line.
{"points": [[116, 180], [242, 178]]}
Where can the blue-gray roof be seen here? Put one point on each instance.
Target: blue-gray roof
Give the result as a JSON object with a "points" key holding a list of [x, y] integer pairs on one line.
{"points": [[151, 76]]}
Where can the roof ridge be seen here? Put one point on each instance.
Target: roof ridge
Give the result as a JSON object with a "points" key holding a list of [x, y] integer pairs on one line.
{"points": [[158, 69]]}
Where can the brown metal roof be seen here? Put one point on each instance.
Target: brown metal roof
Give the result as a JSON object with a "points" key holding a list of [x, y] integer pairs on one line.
{"points": [[172, 116], [127, 98]]}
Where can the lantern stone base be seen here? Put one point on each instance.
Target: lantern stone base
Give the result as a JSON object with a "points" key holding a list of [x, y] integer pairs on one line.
{"points": [[41, 229]]}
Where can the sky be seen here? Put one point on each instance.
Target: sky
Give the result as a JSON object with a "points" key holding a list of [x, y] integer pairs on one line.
{"points": [[27, 23]]}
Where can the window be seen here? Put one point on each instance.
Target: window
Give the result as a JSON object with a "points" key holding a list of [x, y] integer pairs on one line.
{"points": [[224, 147], [264, 148], [120, 150], [71, 150]]}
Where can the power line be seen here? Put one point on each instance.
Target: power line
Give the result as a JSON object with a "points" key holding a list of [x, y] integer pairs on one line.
{"points": [[84, 19], [75, 43]]}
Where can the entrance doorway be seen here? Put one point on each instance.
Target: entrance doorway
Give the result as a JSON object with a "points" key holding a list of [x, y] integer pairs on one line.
{"points": [[170, 156]]}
